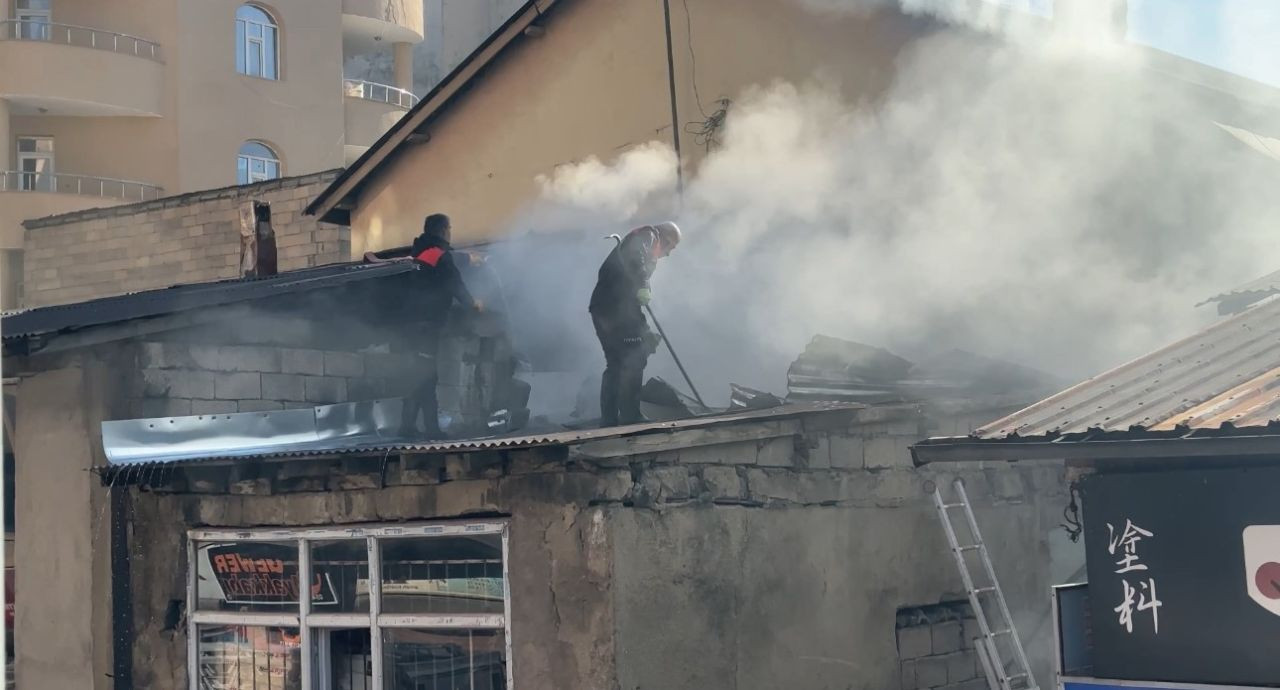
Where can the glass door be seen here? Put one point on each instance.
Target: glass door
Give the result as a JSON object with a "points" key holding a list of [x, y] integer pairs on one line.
{"points": [[35, 164], [33, 19]]}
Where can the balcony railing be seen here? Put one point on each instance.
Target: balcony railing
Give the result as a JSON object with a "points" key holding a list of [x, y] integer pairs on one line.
{"points": [[60, 183], [381, 93], [72, 35]]}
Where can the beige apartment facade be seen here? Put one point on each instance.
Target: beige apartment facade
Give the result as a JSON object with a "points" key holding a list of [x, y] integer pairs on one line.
{"points": [[563, 80], [106, 103]]}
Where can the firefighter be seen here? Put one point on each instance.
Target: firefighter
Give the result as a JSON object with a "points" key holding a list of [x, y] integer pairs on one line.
{"points": [[621, 292], [437, 283]]}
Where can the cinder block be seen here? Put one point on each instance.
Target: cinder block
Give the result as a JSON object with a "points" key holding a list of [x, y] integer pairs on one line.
{"points": [[773, 485], [908, 675], [294, 361], [162, 355], [325, 389], [177, 383], [236, 358], [969, 632], [237, 386], [914, 642], [260, 405], [719, 454], [776, 452], [931, 672], [819, 456], [723, 483], [946, 637], [880, 452], [962, 666], [846, 452], [251, 487], [213, 406], [1006, 483], [162, 407], [283, 387], [672, 482]]}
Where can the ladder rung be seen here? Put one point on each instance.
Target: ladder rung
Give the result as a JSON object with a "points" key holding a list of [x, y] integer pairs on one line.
{"points": [[949, 506], [998, 633], [1016, 676], [984, 590], [969, 547]]}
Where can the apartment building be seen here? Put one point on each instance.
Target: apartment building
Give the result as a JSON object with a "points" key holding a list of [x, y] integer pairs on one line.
{"points": [[105, 103]]}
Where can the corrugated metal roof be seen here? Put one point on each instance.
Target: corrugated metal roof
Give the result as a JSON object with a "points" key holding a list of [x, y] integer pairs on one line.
{"points": [[52, 319], [191, 442], [1228, 374], [1249, 293]]}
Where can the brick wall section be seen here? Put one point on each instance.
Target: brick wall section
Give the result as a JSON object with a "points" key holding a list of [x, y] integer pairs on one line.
{"points": [[935, 648], [188, 238]]}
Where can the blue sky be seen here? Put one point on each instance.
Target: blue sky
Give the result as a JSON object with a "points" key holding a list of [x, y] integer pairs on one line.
{"points": [[1240, 36]]}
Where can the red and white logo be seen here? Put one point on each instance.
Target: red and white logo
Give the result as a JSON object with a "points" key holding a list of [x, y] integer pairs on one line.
{"points": [[1262, 565]]}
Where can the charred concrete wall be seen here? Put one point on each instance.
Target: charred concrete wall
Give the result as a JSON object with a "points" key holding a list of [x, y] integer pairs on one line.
{"points": [[749, 554]]}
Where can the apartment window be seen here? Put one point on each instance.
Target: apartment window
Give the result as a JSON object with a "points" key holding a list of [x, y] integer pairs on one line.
{"points": [[397, 607], [257, 53], [35, 164], [33, 18], [256, 162]]}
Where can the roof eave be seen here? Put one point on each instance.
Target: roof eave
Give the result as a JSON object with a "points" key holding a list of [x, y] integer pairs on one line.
{"points": [[966, 449], [350, 180]]}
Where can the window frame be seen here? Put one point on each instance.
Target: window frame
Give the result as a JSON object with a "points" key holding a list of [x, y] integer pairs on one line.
{"points": [[249, 159], [32, 23], [375, 621], [258, 44]]}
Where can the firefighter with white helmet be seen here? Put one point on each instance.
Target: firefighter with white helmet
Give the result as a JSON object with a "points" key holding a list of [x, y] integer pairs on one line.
{"points": [[617, 311]]}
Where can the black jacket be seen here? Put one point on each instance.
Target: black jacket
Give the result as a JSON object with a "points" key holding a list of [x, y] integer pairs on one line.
{"points": [[437, 281], [624, 273]]}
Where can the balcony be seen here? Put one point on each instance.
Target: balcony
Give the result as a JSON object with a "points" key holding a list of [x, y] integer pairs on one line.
{"points": [[365, 23], [63, 69], [25, 195], [370, 110]]}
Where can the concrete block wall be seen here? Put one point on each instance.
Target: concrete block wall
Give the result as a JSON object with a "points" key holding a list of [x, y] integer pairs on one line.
{"points": [[935, 648], [183, 378], [188, 238], [739, 551]]}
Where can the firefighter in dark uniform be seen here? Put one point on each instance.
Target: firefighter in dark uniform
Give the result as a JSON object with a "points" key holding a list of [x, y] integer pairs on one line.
{"points": [[617, 302], [437, 283]]}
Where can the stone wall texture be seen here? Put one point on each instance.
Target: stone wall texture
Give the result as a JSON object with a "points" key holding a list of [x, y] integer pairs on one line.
{"points": [[748, 556], [188, 238]]}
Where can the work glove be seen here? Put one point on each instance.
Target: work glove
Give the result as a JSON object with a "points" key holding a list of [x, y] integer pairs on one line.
{"points": [[644, 295], [474, 259]]}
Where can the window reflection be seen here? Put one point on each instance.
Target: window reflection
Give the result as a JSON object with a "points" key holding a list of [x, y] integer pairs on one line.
{"points": [[444, 659]]}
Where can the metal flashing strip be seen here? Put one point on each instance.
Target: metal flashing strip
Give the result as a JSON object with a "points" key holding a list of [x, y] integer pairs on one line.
{"points": [[326, 427], [372, 427], [1078, 683]]}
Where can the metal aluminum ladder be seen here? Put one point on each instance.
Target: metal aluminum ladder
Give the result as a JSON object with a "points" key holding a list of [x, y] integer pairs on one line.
{"points": [[998, 640]]}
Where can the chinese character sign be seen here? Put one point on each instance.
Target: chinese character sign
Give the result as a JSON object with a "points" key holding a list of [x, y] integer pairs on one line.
{"points": [[1124, 544]]}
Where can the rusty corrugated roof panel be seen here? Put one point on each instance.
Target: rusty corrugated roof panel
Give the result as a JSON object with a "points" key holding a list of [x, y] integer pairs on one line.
{"points": [[1228, 373]]}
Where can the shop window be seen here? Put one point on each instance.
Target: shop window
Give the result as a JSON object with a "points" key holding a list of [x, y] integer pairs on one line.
{"points": [[373, 608]]}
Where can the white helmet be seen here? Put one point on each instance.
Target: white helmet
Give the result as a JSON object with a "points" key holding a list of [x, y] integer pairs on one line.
{"points": [[669, 233]]}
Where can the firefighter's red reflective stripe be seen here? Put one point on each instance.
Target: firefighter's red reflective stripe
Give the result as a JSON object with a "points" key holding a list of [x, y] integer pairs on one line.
{"points": [[430, 256]]}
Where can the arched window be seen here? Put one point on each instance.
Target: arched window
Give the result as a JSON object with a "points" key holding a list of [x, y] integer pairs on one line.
{"points": [[256, 162], [257, 53]]}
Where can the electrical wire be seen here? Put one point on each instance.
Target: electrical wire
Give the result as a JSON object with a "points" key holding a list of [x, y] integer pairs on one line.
{"points": [[705, 132]]}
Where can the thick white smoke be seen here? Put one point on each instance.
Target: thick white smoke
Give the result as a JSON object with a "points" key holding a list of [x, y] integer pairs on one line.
{"points": [[1061, 208]]}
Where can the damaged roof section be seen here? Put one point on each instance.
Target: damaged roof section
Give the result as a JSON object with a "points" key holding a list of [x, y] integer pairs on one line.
{"points": [[835, 369], [1214, 393]]}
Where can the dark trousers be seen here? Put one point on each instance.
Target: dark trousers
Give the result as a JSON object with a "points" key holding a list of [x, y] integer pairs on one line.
{"points": [[425, 344], [624, 360]]}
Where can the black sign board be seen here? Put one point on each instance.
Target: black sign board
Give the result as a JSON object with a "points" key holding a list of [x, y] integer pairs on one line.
{"points": [[263, 573], [1184, 575]]}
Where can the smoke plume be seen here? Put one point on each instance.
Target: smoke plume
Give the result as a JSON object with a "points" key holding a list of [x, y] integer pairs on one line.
{"points": [[1056, 203]]}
